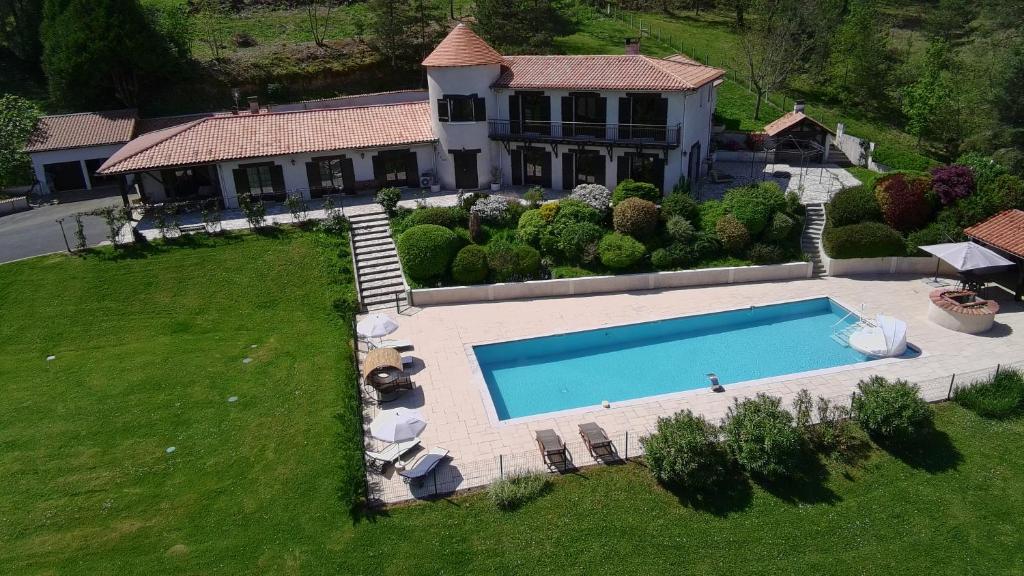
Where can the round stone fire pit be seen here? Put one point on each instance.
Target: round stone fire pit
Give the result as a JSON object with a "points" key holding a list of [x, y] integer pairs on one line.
{"points": [[961, 310]]}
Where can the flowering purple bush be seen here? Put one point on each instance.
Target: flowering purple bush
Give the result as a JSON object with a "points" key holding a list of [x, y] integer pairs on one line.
{"points": [[951, 183]]}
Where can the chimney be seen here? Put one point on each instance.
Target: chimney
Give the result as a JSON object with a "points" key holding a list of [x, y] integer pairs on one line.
{"points": [[632, 46], [798, 106], [254, 105]]}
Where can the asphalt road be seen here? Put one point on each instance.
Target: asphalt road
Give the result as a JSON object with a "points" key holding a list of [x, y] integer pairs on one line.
{"points": [[36, 232]]}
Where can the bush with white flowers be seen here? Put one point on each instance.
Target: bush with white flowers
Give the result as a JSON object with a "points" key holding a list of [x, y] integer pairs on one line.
{"points": [[594, 195], [491, 209]]}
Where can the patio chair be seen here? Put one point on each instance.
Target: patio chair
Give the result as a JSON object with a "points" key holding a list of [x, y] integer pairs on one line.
{"points": [[598, 443], [423, 466], [392, 452], [552, 448], [400, 345]]}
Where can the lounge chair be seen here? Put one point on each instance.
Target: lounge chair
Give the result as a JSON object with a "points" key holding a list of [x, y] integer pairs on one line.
{"points": [[597, 441], [400, 384], [552, 448], [400, 345], [392, 452], [424, 465]]}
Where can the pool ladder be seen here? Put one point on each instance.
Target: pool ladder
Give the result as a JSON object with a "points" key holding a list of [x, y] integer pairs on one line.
{"points": [[842, 336]]}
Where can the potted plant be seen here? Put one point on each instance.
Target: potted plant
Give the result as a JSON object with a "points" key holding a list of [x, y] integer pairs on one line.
{"points": [[495, 178]]}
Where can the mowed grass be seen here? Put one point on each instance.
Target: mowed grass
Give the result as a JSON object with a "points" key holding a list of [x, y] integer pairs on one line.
{"points": [[148, 351]]}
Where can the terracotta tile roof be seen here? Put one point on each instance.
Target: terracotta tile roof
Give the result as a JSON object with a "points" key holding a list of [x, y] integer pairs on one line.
{"points": [[1004, 231], [81, 130], [147, 125], [222, 138], [787, 121], [462, 47], [621, 72]]}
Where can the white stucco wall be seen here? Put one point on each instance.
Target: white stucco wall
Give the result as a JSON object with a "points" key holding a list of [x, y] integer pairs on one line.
{"points": [[463, 80], [80, 155]]}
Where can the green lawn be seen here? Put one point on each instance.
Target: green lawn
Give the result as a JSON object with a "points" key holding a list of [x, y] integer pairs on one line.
{"points": [[149, 348]]}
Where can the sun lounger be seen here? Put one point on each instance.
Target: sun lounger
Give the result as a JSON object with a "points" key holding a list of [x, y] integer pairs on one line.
{"points": [[597, 441], [551, 448], [424, 465], [400, 345], [393, 452]]}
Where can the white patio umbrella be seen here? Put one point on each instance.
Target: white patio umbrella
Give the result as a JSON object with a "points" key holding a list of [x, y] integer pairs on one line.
{"points": [[397, 425], [966, 256], [376, 326]]}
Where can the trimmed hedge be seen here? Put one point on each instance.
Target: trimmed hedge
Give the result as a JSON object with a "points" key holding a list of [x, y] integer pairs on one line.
{"points": [[865, 240], [531, 227], [470, 265], [426, 250], [575, 211], [635, 217], [630, 188], [620, 251], [732, 233], [782, 227], [853, 206], [512, 262], [449, 217], [904, 201], [709, 213], [680, 204], [754, 205], [680, 229]]}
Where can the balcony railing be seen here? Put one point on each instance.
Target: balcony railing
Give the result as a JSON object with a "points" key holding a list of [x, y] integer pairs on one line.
{"points": [[585, 133]]}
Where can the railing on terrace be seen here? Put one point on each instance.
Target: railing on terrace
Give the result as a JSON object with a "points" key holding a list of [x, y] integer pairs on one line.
{"points": [[460, 474], [585, 132]]}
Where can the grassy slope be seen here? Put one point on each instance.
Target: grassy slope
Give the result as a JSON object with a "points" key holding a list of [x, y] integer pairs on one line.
{"points": [[148, 351]]}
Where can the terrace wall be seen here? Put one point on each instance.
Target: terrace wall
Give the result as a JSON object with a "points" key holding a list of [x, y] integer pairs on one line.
{"points": [[12, 205]]}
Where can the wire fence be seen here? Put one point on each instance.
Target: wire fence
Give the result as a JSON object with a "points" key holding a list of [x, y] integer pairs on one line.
{"points": [[385, 485]]}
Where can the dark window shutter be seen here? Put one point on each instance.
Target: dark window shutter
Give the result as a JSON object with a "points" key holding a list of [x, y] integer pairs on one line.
{"points": [[567, 116], [277, 179], [412, 173], [348, 175], [545, 114], [443, 113], [622, 170], [659, 173], [313, 175], [241, 181], [513, 114], [625, 110], [378, 170], [602, 109], [600, 176], [663, 110], [546, 167], [479, 109], [517, 167], [568, 171]]}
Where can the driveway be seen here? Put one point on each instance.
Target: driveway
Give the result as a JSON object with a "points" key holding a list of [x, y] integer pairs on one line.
{"points": [[36, 231]]}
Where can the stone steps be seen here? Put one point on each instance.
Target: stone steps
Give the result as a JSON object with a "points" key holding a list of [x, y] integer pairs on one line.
{"points": [[810, 240], [381, 283]]}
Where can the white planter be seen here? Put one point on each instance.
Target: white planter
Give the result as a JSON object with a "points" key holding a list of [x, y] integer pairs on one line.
{"points": [[495, 187], [435, 187]]}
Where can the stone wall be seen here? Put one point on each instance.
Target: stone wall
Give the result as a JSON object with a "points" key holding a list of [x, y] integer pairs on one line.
{"points": [[13, 205]]}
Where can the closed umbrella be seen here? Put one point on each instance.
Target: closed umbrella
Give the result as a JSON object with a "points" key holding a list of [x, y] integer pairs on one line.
{"points": [[397, 425], [376, 326]]}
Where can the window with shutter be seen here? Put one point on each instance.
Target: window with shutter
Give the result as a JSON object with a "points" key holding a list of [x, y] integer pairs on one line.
{"points": [[443, 111], [479, 109], [517, 167]]}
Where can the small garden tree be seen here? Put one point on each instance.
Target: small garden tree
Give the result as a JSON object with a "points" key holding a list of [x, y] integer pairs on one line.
{"points": [[18, 118], [890, 410], [686, 451], [762, 437]]}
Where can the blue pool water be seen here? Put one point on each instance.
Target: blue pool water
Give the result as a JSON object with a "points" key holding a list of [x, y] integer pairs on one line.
{"points": [[538, 375]]}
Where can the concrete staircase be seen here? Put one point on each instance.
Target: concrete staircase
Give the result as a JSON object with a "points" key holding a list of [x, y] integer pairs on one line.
{"points": [[810, 241], [381, 283]]}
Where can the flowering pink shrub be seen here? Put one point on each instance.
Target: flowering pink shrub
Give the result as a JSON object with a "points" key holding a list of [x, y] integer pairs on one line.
{"points": [[952, 182], [904, 201]]}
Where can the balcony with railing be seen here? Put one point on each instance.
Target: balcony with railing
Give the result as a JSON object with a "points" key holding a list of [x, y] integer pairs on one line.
{"points": [[598, 134]]}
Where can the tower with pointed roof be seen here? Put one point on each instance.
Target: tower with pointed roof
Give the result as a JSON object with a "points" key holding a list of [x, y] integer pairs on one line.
{"points": [[460, 72]]}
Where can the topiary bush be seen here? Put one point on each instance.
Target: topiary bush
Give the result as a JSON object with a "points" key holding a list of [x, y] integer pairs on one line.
{"points": [[675, 255], [686, 451], [388, 199], [761, 436], [866, 240], [710, 212], [548, 211], [426, 250], [492, 208], [1001, 396], [732, 233], [447, 216], [575, 241], [470, 265], [635, 217], [680, 204], [680, 229], [904, 201], [706, 246], [576, 211], [532, 226], [620, 251], [766, 254], [512, 262], [781, 227], [890, 410], [594, 195], [951, 183], [755, 204], [513, 491], [630, 188], [853, 206], [934, 233]]}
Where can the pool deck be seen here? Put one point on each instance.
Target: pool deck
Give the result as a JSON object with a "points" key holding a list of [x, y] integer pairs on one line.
{"points": [[454, 401]]}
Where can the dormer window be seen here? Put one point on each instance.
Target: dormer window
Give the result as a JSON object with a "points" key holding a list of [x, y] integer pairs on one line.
{"points": [[461, 108]]}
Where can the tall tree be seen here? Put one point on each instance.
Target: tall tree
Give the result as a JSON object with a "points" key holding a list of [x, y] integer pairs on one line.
{"points": [[19, 29], [773, 48], [18, 118], [861, 60], [318, 16], [207, 27], [405, 31], [517, 26]]}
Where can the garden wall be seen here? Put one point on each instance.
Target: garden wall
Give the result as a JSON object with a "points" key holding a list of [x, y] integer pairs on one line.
{"points": [[13, 205], [888, 265], [608, 284]]}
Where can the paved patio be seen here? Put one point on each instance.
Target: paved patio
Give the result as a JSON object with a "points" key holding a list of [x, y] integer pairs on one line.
{"points": [[815, 183], [454, 400]]}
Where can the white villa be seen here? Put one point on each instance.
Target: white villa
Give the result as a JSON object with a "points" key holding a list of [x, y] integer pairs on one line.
{"points": [[550, 121]]}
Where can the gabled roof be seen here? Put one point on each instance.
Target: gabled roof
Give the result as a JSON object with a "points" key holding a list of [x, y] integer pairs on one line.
{"points": [[462, 47], [618, 72], [147, 125], [1004, 231], [68, 131], [788, 120], [230, 137]]}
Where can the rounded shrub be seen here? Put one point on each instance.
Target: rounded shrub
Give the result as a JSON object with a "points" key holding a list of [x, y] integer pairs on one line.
{"points": [[512, 262], [706, 246], [950, 183], [511, 492], [630, 188], [853, 206], [620, 251], [732, 233], [426, 250], [531, 227], [388, 199], [904, 201], [709, 213], [765, 254], [680, 204], [675, 255], [865, 240], [576, 211], [492, 208], [594, 195], [635, 217], [934, 233], [781, 227], [470, 265], [686, 451], [548, 211], [447, 216], [680, 229], [890, 409], [754, 205], [576, 241], [761, 436]]}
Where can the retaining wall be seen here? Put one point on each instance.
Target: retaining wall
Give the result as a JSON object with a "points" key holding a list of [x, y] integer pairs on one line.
{"points": [[608, 284], [888, 265], [12, 205]]}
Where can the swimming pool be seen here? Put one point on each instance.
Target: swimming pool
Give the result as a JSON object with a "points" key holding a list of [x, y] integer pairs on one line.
{"points": [[565, 371]]}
